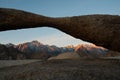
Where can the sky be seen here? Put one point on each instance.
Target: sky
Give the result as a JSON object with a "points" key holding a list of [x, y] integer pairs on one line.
{"points": [[54, 8]]}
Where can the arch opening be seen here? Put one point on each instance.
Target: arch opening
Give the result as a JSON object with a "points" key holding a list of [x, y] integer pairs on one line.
{"points": [[92, 28], [45, 35]]}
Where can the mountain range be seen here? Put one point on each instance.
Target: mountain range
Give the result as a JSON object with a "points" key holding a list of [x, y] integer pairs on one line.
{"points": [[10, 52], [37, 50]]}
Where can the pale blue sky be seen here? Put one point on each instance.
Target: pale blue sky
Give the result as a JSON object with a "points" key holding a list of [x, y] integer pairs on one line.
{"points": [[55, 8]]}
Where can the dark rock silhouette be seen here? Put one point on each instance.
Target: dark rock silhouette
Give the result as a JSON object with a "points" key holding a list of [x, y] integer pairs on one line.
{"points": [[10, 53], [102, 30]]}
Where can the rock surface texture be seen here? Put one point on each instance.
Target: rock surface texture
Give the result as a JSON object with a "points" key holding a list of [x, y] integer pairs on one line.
{"points": [[63, 70], [102, 30]]}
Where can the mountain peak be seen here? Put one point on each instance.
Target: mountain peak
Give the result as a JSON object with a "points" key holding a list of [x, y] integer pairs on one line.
{"points": [[9, 45], [35, 42]]}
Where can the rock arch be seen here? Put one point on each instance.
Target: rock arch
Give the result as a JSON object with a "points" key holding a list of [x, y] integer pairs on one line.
{"points": [[102, 30]]}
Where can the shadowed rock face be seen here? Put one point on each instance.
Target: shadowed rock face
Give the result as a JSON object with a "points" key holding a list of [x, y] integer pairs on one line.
{"points": [[102, 30]]}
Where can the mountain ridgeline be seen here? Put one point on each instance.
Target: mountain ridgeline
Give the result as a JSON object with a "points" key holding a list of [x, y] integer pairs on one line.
{"points": [[102, 30], [8, 53], [37, 50]]}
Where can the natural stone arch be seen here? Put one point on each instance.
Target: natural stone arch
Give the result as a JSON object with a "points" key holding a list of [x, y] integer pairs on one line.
{"points": [[102, 30]]}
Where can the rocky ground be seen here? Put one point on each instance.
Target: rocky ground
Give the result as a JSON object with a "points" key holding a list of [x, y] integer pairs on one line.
{"points": [[84, 69], [9, 63]]}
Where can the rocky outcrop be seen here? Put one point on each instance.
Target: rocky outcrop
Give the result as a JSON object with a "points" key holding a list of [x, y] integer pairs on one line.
{"points": [[102, 30], [90, 51], [10, 53]]}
